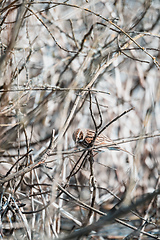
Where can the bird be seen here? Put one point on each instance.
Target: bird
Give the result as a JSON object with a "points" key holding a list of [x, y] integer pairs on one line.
{"points": [[86, 138]]}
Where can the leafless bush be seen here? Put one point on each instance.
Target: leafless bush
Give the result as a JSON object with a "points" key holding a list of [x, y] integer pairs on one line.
{"points": [[76, 64]]}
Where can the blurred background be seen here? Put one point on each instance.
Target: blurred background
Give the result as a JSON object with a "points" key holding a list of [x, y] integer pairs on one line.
{"points": [[52, 54]]}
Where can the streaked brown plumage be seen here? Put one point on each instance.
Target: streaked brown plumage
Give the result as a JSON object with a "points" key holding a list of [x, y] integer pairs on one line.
{"points": [[84, 137]]}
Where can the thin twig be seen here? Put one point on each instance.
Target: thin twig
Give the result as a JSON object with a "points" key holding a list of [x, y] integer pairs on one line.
{"points": [[115, 119]]}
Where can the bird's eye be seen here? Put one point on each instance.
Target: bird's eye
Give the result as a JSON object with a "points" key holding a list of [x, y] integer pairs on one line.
{"points": [[80, 137]]}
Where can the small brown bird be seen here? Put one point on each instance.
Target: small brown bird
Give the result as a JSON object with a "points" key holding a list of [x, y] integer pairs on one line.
{"points": [[85, 137]]}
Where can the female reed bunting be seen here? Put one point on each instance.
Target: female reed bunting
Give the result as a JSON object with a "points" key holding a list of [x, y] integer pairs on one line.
{"points": [[85, 138]]}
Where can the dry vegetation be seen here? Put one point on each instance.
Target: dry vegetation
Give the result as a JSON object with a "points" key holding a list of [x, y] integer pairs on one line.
{"points": [[79, 64]]}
